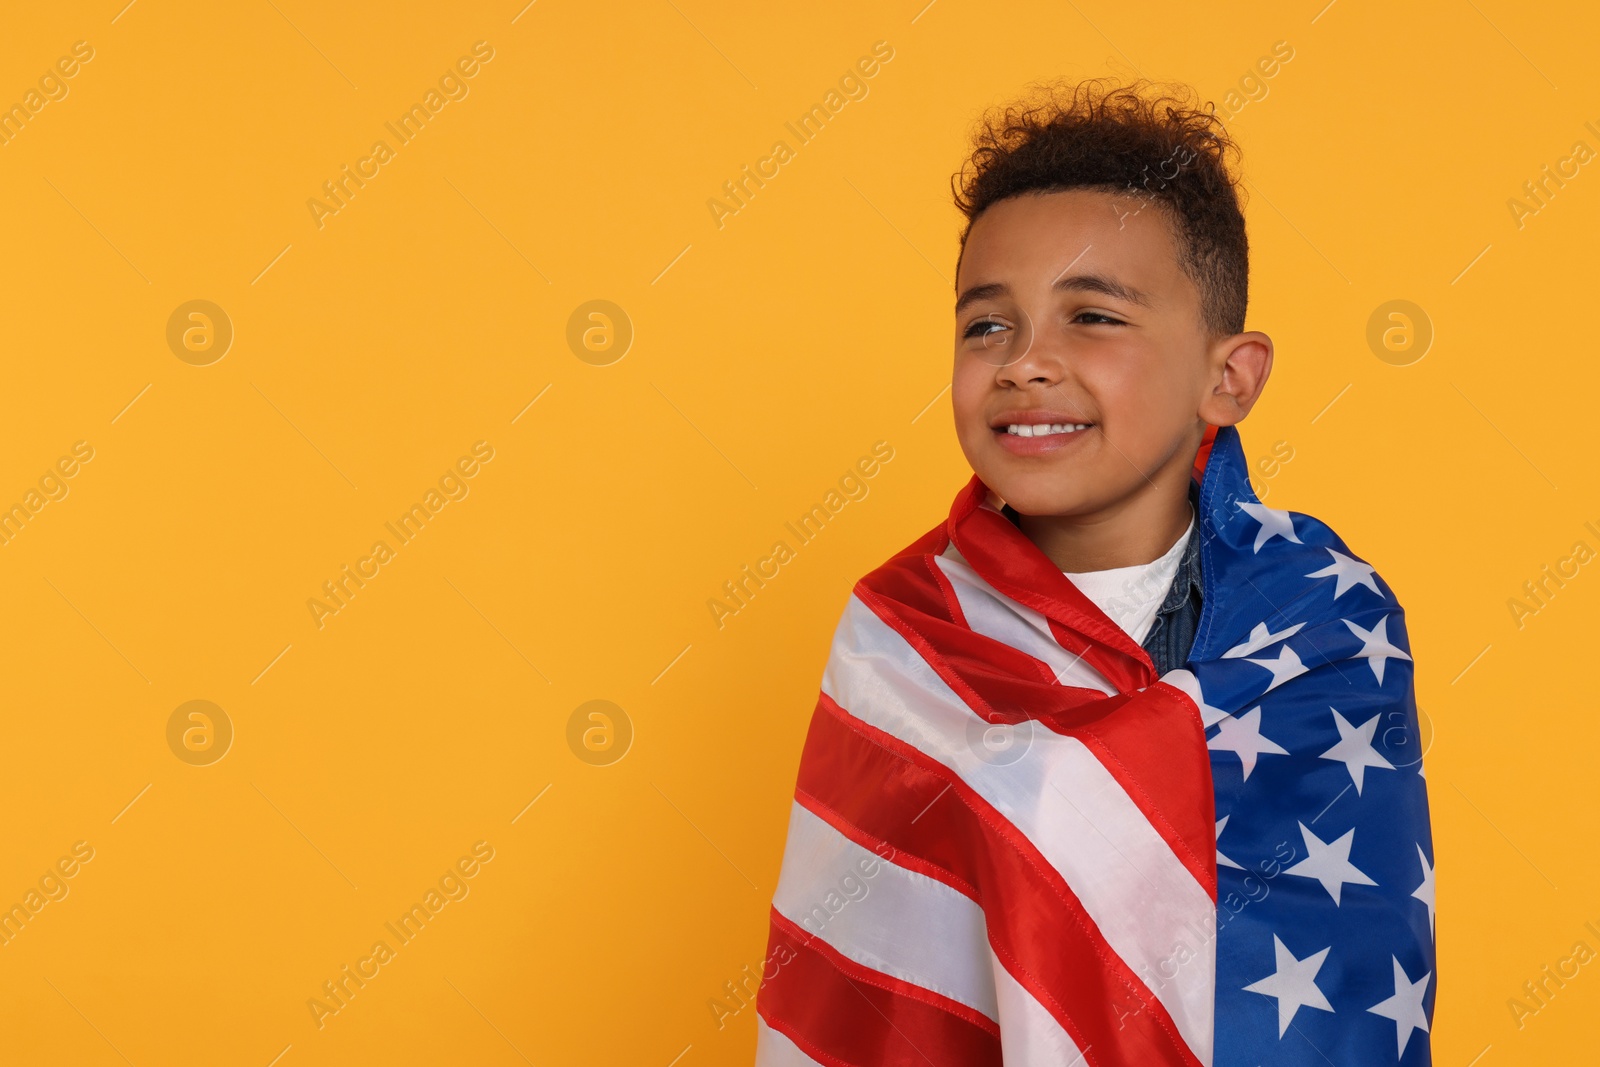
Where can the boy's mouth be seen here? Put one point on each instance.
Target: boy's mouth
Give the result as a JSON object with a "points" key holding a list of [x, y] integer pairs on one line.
{"points": [[1043, 429], [1036, 432]]}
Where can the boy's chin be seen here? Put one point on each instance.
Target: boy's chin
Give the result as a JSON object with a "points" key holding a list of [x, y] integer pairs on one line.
{"points": [[1037, 500]]}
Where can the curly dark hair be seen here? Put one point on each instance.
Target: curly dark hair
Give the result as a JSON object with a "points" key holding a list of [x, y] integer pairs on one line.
{"points": [[1125, 139]]}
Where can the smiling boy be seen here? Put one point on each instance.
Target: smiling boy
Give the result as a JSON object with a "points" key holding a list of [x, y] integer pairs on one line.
{"points": [[1085, 377], [1138, 755]]}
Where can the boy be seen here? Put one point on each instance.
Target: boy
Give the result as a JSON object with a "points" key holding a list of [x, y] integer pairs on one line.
{"points": [[1115, 765]]}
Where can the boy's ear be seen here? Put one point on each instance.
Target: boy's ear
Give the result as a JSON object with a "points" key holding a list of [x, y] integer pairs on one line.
{"points": [[1240, 367]]}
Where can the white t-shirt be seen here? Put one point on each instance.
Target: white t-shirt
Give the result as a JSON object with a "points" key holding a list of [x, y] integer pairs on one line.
{"points": [[1131, 596]]}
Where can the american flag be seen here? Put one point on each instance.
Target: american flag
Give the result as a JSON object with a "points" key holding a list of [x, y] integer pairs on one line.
{"points": [[1012, 842]]}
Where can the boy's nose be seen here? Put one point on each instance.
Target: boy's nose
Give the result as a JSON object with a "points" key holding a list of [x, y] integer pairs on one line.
{"points": [[1037, 354]]}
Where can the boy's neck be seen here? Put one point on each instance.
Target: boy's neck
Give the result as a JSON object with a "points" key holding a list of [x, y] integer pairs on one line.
{"points": [[1136, 530]]}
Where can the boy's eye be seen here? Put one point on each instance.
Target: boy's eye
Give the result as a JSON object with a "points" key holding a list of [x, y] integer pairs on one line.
{"points": [[1096, 319], [981, 328]]}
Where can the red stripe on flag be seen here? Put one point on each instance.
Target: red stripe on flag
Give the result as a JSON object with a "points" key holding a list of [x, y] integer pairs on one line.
{"points": [[1204, 455], [840, 1012], [1019, 569], [916, 589], [1152, 741], [1155, 748], [883, 849], [930, 820]]}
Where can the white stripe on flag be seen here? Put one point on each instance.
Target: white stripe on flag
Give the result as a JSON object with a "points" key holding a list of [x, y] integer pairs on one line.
{"points": [[992, 614], [1146, 904], [774, 1049], [896, 921], [1028, 1033]]}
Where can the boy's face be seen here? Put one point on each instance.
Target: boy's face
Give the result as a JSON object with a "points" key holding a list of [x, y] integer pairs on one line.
{"points": [[1039, 339]]}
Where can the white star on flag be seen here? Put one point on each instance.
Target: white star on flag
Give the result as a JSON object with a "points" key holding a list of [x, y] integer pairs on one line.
{"points": [[1241, 735], [1225, 861], [1423, 892], [1347, 573], [1284, 666], [1376, 648], [1260, 637], [1405, 1007], [1355, 749], [1190, 686], [1329, 863], [1293, 984], [1274, 523]]}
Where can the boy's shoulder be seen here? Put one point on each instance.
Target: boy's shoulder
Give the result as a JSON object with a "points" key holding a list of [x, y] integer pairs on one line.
{"points": [[1267, 570]]}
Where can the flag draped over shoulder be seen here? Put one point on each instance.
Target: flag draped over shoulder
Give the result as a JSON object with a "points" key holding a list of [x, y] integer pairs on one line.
{"points": [[1011, 841]]}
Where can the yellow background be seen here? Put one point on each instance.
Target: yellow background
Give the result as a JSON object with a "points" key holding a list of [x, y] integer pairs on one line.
{"points": [[768, 356]]}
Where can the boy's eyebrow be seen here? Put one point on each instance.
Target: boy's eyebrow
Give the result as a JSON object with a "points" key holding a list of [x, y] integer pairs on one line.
{"points": [[1091, 283]]}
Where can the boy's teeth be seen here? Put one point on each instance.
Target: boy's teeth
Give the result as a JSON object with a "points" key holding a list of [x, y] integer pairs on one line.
{"points": [[1044, 429]]}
